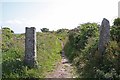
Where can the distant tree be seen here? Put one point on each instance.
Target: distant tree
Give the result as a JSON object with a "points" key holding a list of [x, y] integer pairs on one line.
{"points": [[45, 30], [62, 30], [117, 22]]}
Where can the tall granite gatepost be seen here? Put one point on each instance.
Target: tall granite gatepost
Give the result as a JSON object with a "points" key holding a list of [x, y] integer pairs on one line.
{"points": [[30, 47], [104, 36]]}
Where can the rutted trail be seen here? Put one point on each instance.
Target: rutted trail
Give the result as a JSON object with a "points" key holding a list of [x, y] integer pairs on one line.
{"points": [[64, 69]]}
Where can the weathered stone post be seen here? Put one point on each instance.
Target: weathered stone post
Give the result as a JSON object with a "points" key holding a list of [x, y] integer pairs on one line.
{"points": [[104, 36], [30, 47]]}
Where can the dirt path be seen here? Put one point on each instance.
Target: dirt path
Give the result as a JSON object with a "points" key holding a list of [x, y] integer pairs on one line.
{"points": [[64, 69]]}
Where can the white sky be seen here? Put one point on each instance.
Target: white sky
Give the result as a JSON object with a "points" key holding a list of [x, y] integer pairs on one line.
{"points": [[55, 14]]}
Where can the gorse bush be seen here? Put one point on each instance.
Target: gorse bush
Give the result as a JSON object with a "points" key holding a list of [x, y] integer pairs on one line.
{"points": [[7, 36], [116, 22], [12, 54], [82, 50], [87, 30], [78, 40], [115, 33]]}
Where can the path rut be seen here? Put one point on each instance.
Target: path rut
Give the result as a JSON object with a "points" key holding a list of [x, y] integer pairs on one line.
{"points": [[64, 68]]}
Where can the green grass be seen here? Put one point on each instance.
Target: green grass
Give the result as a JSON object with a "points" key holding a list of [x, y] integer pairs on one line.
{"points": [[48, 53], [48, 50], [81, 47]]}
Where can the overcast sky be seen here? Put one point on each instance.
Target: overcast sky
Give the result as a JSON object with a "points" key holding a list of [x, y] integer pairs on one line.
{"points": [[55, 14]]}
